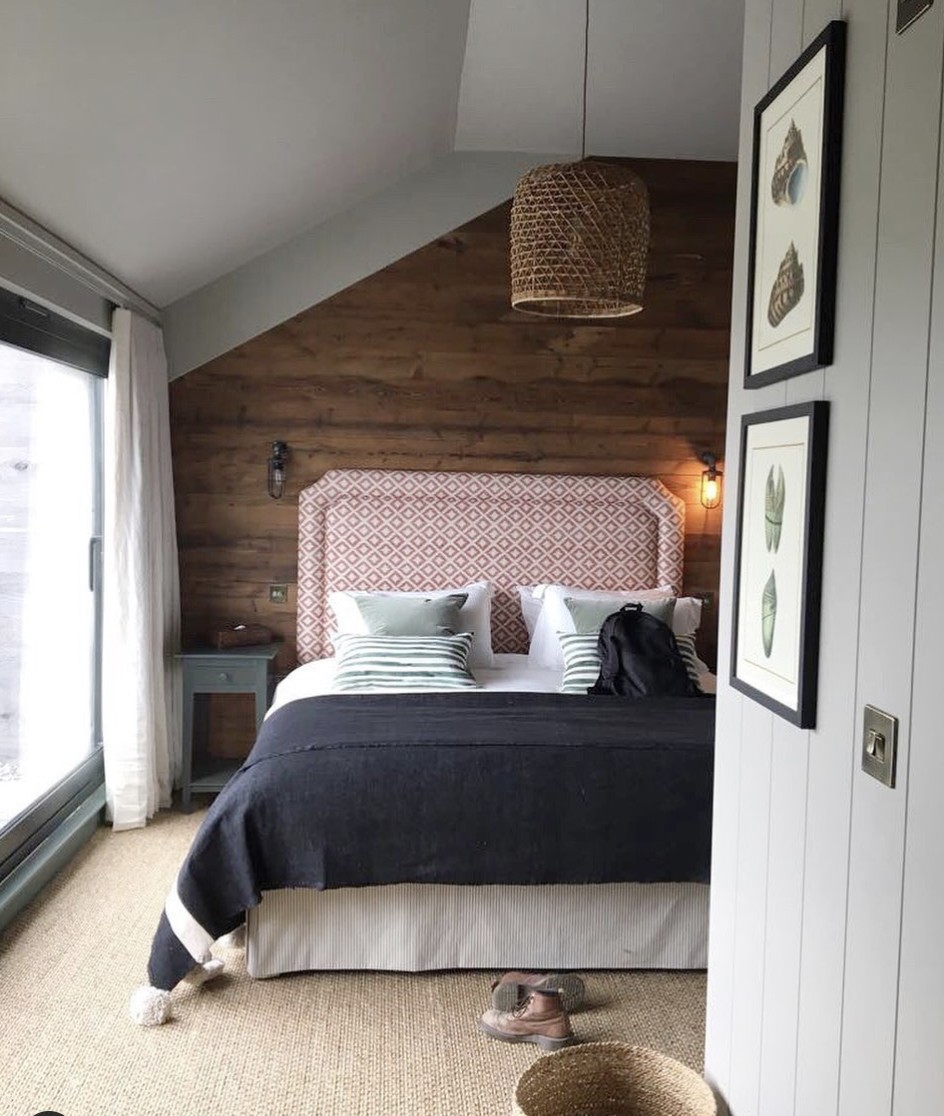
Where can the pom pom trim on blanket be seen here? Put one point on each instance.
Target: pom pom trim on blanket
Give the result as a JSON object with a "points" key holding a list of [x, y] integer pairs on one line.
{"points": [[150, 1006]]}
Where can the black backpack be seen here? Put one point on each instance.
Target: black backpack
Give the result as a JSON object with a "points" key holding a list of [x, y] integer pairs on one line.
{"points": [[639, 657]]}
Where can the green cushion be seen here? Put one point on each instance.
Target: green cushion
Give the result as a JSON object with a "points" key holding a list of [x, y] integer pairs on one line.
{"points": [[375, 663], [411, 616], [589, 613], [581, 662]]}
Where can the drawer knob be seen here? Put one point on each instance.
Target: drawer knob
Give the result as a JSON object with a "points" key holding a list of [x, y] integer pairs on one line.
{"points": [[224, 677]]}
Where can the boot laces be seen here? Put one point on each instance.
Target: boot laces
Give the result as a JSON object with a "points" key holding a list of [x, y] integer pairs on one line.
{"points": [[522, 1005]]}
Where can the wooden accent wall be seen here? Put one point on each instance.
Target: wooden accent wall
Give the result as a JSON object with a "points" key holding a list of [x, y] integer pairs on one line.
{"points": [[424, 365]]}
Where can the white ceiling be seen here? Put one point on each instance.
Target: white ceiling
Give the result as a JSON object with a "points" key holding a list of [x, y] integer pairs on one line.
{"points": [[172, 142], [663, 77]]}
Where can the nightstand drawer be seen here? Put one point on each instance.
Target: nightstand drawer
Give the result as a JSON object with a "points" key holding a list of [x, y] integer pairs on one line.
{"points": [[223, 676]]}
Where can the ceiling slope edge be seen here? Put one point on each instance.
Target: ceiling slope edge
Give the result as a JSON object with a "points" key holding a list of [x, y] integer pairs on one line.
{"points": [[343, 250]]}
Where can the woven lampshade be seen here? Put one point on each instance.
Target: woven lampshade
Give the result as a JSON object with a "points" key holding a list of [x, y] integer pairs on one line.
{"points": [[579, 241]]}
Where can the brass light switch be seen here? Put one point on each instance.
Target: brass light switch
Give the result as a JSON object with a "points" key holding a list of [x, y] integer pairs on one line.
{"points": [[879, 745]]}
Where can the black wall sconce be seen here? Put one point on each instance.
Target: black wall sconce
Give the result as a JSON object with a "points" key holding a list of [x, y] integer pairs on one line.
{"points": [[710, 482], [277, 463]]}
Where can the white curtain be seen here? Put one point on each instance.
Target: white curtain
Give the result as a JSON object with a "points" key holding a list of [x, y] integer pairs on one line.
{"points": [[141, 685]]}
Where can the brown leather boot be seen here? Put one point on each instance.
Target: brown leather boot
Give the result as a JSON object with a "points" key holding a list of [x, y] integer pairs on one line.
{"points": [[541, 1019], [512, 989]]}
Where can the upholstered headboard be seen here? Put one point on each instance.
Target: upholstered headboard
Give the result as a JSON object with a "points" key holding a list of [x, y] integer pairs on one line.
{"points": [[378, 529]]}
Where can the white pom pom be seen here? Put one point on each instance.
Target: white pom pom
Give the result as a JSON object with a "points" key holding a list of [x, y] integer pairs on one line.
{"points": [[200, 974], [236, 939], [149, 1007]]}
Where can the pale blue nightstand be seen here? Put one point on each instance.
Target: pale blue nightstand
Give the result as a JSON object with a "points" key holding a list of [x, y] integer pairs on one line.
{"points": [[207, 670]]}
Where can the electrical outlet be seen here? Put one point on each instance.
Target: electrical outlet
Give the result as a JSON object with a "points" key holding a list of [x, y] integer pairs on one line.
{"points": [[278, 594]]}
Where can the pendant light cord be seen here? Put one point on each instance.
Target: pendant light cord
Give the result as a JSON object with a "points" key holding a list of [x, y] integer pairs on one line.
{"points": [[586, 55]]}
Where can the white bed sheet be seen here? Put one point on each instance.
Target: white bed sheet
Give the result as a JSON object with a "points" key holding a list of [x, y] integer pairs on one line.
{"points": [[511, 673]]}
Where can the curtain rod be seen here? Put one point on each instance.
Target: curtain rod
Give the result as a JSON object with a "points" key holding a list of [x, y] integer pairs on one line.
{"points": [[40, 242]]}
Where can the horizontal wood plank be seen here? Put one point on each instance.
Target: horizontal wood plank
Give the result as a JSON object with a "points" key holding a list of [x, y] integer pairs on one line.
{"points": [[424, 365]]}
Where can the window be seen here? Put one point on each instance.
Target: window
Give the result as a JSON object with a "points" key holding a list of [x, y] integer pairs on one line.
{"points": [[50, 562]]}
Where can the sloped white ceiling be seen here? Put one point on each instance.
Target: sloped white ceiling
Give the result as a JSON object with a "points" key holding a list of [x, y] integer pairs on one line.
{"points": [[174, 141], [663, 77]]}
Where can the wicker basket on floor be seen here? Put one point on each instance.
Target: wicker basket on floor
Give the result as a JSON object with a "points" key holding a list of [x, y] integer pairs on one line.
{"points": [[611, 1079]]}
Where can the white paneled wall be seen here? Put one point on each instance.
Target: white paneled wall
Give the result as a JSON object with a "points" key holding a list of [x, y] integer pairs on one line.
{"points": [[826, 984], [920, 1039], [728, 926]]}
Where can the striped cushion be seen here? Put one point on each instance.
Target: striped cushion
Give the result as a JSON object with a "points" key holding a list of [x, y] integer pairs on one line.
{"points": [[581, 662], [384, 663], [686, 646]]}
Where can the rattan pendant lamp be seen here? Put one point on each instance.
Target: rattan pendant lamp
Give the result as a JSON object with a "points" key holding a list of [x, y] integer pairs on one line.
{"points": [[579, 235]]}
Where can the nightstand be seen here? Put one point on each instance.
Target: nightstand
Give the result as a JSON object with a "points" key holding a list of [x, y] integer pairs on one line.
{"points": [[240, 670]]}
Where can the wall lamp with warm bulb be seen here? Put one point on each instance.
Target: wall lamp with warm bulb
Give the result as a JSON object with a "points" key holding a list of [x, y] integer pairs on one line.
{"points": [[710, 482], [276, 477]]}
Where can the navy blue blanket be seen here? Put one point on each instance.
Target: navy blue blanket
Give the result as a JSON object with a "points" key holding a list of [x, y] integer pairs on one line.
{"points": [[516, 788]]}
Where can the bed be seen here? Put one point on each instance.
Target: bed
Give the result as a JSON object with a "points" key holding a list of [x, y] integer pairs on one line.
{"points": [[399, 531]]}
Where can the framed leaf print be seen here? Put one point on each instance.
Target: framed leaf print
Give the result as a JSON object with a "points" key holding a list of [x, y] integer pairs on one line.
{"points": [[779, 559], [791, 304]]}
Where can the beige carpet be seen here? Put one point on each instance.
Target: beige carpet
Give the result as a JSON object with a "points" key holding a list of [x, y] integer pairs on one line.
{"points": [[320, 1043]]}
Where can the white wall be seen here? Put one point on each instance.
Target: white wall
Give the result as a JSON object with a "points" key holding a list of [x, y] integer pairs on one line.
{"points": [[826, 984]]}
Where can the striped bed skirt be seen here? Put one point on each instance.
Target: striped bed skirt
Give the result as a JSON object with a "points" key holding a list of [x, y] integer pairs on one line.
{"points": [[416, 927]]}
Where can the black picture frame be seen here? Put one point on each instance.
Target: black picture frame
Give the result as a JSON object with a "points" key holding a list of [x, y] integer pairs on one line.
{"points": [[908, 12], [780, 521], [794, 229]]}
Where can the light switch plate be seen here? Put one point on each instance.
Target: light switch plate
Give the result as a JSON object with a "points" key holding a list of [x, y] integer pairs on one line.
{"points": [[879, 745], [278, 594]]}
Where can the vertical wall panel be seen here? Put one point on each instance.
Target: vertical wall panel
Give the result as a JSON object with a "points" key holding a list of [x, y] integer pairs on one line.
{"points": [[724, 851], [786, 34], [750, 908], [784, 912], [817, 13], [833, 749], [919, 1069], [893, 479], [720, 1068], [788, 771]]}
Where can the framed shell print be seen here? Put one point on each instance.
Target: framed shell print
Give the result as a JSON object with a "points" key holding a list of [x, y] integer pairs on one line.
{"points": [[791, 303], [779, 559]]}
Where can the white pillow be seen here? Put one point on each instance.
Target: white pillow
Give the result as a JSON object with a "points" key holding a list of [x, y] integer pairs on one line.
{"points": [[530, 606], [475, 614], [687, 616], [545, 650]]}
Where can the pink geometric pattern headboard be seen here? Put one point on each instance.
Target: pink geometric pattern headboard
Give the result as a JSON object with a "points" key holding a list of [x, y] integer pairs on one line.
{"points": [[379, 529]]}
